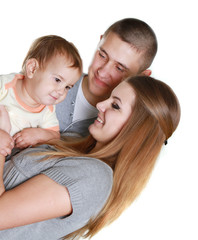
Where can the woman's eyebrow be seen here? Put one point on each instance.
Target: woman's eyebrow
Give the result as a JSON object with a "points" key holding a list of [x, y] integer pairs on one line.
{"points": [[115, 97]]}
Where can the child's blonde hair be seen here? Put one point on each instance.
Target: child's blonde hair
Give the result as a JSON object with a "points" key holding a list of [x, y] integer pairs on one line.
{"points": [[44, 48]]}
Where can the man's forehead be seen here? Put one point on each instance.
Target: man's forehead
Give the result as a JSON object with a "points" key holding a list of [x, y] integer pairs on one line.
{"points": [[120, 52]]}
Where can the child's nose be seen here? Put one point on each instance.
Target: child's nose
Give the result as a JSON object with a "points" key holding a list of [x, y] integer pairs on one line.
{"points": [[61, 90]]}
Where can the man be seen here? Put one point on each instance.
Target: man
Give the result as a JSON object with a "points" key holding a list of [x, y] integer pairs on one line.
{"points": [[128, 47]]}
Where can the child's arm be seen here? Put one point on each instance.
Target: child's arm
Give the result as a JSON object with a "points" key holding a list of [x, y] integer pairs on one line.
{"points": [[6, 141], [32, 136]]}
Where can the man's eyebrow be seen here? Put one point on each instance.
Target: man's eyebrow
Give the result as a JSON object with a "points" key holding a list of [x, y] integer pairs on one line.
{"points": [[117, 98], [125, 67], [121, 64], [101, 49]]}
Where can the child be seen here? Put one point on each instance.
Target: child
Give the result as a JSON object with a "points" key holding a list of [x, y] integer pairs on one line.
{"points": [[50, 69]]}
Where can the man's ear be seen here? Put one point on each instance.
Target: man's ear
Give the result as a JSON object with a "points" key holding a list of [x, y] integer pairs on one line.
{"points": [[146, 72], [31, 67]]}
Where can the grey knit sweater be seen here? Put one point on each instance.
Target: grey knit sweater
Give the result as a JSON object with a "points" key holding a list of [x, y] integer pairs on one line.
{"points": [[88, 180]]}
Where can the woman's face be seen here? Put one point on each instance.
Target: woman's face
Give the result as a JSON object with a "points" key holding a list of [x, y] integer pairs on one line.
{"points": [[113, 114]]}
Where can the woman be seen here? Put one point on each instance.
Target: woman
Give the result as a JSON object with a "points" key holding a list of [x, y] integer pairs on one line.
{"points": [[73, 185]]}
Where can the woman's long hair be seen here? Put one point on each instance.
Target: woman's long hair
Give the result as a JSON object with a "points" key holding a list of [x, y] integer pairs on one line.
{"points": [[133, 153]]}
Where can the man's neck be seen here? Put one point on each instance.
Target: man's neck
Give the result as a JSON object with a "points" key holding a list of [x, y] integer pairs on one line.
{"points": [[92, 99]]}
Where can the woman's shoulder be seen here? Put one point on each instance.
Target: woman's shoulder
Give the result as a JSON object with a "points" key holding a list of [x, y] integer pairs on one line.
{"points": [[81, 172], [88, 172], [89, 182]]}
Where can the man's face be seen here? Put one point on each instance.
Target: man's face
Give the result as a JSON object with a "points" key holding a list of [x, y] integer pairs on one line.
{"points": [[113, 62]]}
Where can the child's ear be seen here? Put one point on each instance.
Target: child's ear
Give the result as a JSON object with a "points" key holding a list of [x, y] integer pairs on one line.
{"points": [[31, 66]]}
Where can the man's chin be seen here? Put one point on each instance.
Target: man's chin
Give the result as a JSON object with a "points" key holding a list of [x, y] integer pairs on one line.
{"points": [[98, 91]]}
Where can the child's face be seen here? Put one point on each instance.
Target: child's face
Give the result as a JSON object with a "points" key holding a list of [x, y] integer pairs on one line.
{"points": [[49, 86]]}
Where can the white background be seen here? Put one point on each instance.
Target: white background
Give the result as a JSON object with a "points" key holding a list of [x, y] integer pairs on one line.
{"points": [[167, 208]]}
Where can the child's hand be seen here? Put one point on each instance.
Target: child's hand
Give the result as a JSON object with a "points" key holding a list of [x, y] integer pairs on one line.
{"points": [[25, 138], [6, 143], [31, 136]]}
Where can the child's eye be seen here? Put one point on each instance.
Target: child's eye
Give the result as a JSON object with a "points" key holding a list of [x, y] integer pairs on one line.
{"points": [[57, 80], [115, 106], [68, 87]]}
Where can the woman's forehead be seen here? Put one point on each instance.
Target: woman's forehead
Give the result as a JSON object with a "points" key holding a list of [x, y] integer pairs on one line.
{"points": [[125, 92]]}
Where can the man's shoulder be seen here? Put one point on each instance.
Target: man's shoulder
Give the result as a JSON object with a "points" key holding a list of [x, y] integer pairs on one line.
{"points": [[77, 84], [65, 109], [81, 127], [74, 90]]}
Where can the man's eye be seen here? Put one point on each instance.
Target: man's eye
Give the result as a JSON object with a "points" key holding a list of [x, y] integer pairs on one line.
{"points": [[115, 106], [120, 69], [101, 54]]}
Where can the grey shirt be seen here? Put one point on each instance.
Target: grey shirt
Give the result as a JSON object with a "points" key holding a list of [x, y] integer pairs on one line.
{"points": [[88, 180], [65, 111]]}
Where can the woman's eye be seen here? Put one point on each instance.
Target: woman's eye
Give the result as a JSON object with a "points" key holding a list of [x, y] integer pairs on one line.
{"points": [[115, 106]]}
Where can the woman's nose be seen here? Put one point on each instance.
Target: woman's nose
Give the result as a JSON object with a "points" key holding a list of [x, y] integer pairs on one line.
{"points": [[101, 106]]}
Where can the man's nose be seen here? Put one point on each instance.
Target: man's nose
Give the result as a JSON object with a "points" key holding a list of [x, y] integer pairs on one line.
{"points": [[105, 70]]}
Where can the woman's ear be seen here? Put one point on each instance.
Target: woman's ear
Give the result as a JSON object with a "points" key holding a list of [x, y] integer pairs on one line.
{"points": [[31, 66]]}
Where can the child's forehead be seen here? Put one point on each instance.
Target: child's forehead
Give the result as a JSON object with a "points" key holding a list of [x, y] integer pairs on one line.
{"points": [[57, 58]]}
